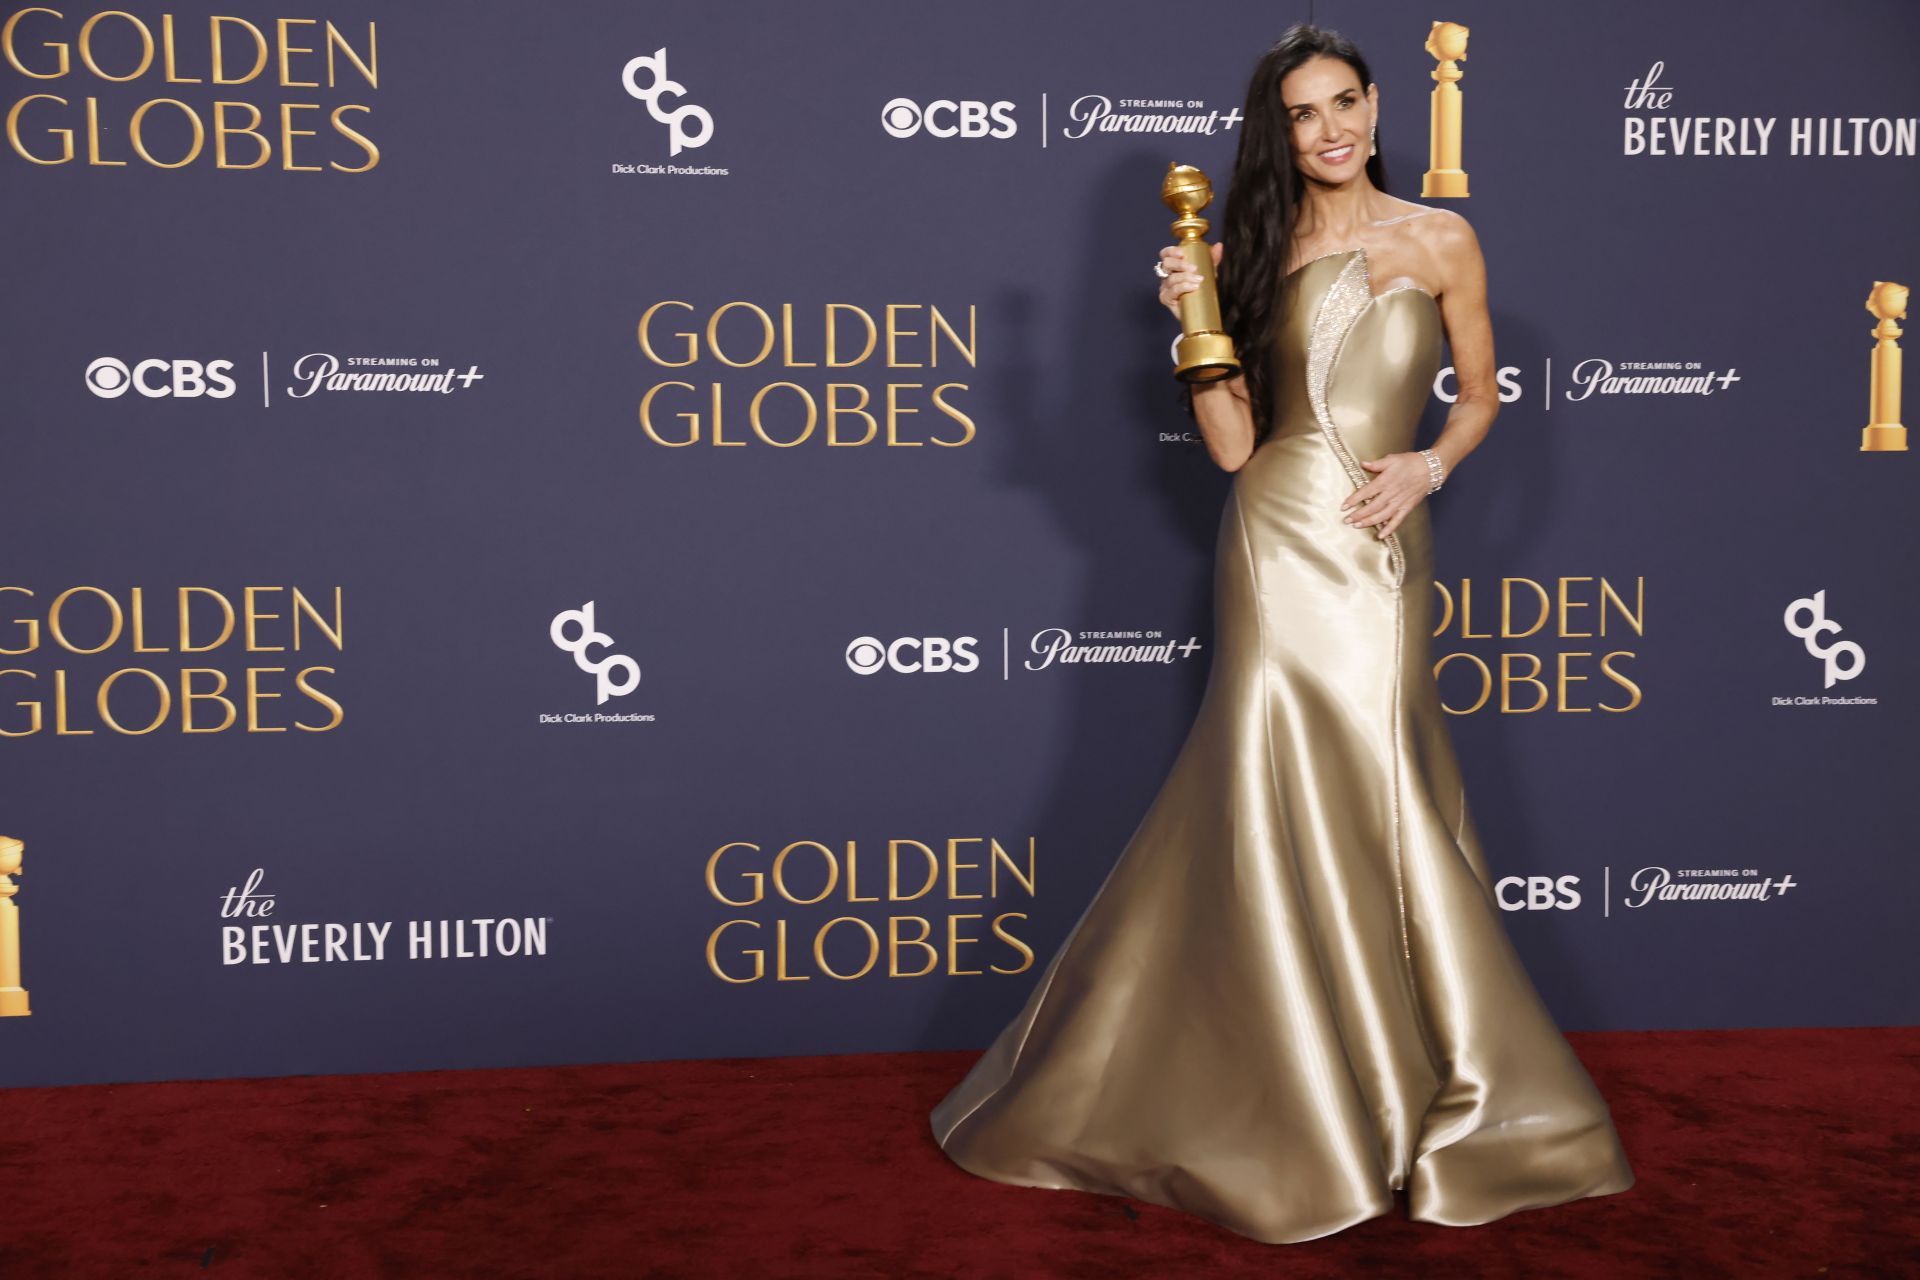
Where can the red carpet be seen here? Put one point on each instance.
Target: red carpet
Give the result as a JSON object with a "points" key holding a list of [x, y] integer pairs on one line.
{"points": [[1759, 1153]]}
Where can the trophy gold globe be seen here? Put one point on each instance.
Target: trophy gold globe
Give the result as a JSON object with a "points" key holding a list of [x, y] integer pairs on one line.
{"points": [[1204, 352], [1447, 42], [1884, 432], [13, 997]]}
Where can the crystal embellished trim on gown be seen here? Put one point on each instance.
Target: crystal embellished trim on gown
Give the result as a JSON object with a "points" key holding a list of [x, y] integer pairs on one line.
{"points": [[1293, 994]]}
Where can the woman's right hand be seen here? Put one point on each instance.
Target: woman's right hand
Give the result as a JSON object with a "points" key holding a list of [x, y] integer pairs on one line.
{"points": [[1182, 276]]}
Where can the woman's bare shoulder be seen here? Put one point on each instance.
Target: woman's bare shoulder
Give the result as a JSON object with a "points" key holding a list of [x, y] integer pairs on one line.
{"points": [[1441, 228], [1426, 222], [1441, 234], [1401, 210], [1451, 249]]}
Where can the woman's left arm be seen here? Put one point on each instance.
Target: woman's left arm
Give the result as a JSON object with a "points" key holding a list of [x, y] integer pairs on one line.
{"points": [[1400, 481], [1463, 310]]}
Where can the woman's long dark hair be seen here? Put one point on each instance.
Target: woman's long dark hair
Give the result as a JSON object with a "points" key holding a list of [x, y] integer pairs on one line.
{"points": [[1263, 206]]}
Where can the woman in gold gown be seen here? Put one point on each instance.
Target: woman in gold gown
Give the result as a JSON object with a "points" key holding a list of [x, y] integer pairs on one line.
{"points": [[1293, 995]]}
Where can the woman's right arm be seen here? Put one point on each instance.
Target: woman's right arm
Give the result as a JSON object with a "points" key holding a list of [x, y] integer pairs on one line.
{"points": [[1220, 407]]}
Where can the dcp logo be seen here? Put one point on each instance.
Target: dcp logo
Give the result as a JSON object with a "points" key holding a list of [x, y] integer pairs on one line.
{"points": [[911, 654], [1816, 604], [655, 65], [944, 118], [588, 638], [110, 379]]}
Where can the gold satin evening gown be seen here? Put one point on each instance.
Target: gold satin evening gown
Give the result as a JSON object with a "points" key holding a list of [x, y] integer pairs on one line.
{"points": [[1293, 994]]}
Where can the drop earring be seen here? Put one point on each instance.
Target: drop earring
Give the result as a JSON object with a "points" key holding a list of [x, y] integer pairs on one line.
{"points": [[1372, 148]]}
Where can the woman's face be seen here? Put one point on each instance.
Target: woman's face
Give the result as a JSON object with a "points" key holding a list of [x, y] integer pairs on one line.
{"points": [[1331, 116]]}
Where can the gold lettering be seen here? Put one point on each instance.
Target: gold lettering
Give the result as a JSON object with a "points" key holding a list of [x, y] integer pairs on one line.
{"points": [[1508, 679], [779, 872], [106, 712], [713, 962], [953, 413], [755, 878], [57, 629], [1012, 941], [646, 416], [759, 426], [86, 46], [62, 63], [833, 335], [339, 713], [253, 616], [820, 947], [954, 940], [955, 867], [895, 333], [713, 335], [287, 49], [218, 694], [895, 942], [893, 870], [968, 349], [30, 625], [834, 410]]}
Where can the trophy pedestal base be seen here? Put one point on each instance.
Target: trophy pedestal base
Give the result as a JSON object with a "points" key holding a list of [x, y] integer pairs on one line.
{"points": [[1449, 183], [1883, 438], [13, 1003], [1206, 372], [1204, 357]]}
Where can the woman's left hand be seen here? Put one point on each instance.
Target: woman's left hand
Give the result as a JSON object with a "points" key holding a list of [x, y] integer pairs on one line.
{"points": [[1398, 486]]}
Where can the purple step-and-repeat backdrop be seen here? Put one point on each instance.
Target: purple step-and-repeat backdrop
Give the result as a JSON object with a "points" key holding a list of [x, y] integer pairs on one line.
{"points": [[623, 532]]}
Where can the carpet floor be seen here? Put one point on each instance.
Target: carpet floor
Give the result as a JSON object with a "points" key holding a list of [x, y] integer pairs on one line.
{"points": [[1758, 1153]]}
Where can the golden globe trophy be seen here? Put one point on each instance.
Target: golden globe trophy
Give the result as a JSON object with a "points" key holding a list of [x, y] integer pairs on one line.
{"points": [[1884, 433], [1205, 350], [1447, 42], [13, 997]]}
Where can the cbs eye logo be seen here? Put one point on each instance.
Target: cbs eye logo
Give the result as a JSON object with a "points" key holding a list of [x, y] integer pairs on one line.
{"points": [[910, 655], [944, 118], [110, 379]]}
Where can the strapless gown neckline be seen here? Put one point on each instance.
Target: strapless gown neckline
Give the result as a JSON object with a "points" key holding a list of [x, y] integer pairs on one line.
{"points": [[1366, 264]]}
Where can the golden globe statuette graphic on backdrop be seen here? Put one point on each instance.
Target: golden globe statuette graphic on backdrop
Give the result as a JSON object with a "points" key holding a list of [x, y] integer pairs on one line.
{"points": [[1884, 433], [1447, 42], [13, 997], [1205, 350]]}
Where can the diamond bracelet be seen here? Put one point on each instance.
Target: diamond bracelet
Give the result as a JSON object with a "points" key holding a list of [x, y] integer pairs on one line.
{"points": [[1436, 470]]}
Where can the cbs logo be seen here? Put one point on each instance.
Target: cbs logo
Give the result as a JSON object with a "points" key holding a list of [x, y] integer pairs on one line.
{"points": [[1507, 378], [911, 654], [1537, 893], [110, 379], [944, 118]]}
